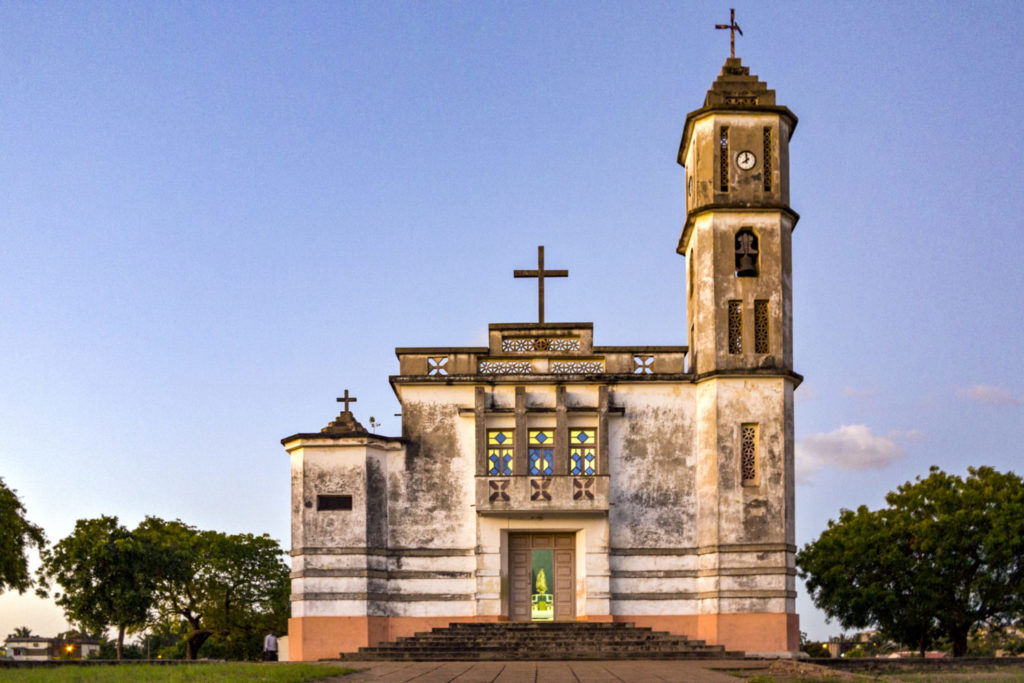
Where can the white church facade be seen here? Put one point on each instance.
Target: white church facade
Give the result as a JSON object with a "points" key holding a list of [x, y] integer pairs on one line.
{"points": [[545, 477]]}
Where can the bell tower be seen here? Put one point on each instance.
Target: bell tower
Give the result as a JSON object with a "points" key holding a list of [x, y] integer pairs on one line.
{"points": [[737, 244], [736, 238]]}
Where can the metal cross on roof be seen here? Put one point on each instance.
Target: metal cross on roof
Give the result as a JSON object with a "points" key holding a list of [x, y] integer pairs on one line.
{"points": [[540, 274], [346, 400], [733, 29]]}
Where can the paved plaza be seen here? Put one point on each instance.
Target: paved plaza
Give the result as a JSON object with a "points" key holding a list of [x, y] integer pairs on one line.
{"points": [[549, 672]]}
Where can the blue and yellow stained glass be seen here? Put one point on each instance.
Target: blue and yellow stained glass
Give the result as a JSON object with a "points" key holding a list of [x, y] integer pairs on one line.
{"points": [[542, 451], [582, 452], [499, 452]]}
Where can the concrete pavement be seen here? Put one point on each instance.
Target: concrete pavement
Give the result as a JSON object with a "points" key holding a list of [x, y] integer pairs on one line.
{"points": [[711, 671]]}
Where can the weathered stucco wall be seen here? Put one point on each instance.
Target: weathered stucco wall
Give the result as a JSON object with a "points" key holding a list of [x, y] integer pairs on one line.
{"points": [[652, 467]]}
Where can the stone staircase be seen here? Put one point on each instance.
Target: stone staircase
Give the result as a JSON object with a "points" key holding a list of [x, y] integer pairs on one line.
{"points": [[540, 641]]}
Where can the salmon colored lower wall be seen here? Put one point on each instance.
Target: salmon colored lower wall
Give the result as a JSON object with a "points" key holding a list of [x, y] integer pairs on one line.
{"points": [[764, 632], [313, 638]]}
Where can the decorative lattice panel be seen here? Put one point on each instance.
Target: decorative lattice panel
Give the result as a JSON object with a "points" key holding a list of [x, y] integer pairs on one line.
{"points": [[437, 365], [582, 452], [499, 452], [520, 344], [767, 162], [723, 159], [576, 367], [498, 489], [542, 451], [583, 489], [735, 327], [505, 367], [642, 365], [761, 327], [748, 453]]}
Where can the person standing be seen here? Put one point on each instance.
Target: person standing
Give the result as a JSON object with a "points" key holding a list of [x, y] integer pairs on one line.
{"points": [[270, 647]]}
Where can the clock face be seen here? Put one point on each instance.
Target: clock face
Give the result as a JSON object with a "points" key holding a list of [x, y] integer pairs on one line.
{"points": [[746, 160]]}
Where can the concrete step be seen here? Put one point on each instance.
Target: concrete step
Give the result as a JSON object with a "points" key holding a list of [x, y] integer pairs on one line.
{"points": [[541, 641]]}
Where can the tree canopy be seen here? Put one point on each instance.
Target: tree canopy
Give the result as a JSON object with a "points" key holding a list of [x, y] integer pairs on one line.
{"points": [[17, 535], [232, 586], [946, 554], [104, 574], [171, 578]]}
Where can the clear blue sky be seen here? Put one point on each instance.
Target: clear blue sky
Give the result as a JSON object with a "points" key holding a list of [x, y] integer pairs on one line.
{"points": [[217, 216]]}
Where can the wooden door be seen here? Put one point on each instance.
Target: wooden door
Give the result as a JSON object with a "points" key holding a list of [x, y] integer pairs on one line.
{"points": [[542, 577]]}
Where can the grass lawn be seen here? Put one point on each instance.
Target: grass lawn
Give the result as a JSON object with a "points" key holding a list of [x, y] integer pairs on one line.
{"points": [[200, 671]]}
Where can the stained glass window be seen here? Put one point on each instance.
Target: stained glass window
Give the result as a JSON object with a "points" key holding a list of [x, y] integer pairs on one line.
{"points": [[499, 452], [582, 452], [542, 451]]}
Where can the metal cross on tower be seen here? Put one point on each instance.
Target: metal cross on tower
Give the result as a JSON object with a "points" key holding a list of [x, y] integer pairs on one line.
{"points": [[346, 400], [733, 29], [540, 274]]}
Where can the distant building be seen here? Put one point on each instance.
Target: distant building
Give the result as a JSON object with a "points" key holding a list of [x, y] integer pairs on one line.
{"points": [[38, 649]]}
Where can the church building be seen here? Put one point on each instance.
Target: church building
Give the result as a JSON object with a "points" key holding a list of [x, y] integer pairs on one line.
{"points": [[547, 477]]}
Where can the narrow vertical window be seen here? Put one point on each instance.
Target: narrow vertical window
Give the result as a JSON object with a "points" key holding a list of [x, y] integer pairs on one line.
{"points": [[499, 452], [761, 326], [748, 453], [691, 353], [689, 284], [735, 327], [767, 163], [723, 159]]}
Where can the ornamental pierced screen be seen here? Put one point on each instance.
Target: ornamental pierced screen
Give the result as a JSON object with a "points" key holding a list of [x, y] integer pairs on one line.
{"points": [[583, 489], [761, 326], [505, 367], [723, 159], [642, 365], [741, 99], [582, 452], [512, 344], [748, 453], [542, 451], [577, 367], [539, 489], [437, 365], [767, 160], [499, 452], [498, 490], [735, 327]]}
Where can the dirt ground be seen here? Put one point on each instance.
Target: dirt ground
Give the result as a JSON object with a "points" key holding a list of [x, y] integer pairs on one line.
{"points": [[787, 671]]}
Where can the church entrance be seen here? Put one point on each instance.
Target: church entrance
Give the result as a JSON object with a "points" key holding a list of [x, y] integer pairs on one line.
{"points": [[542, 577]]}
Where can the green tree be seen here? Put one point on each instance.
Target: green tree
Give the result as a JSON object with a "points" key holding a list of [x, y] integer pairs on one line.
{"points": [[17, 535], [22, 632], [104, 575], [946, 554], [226, 587]]}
